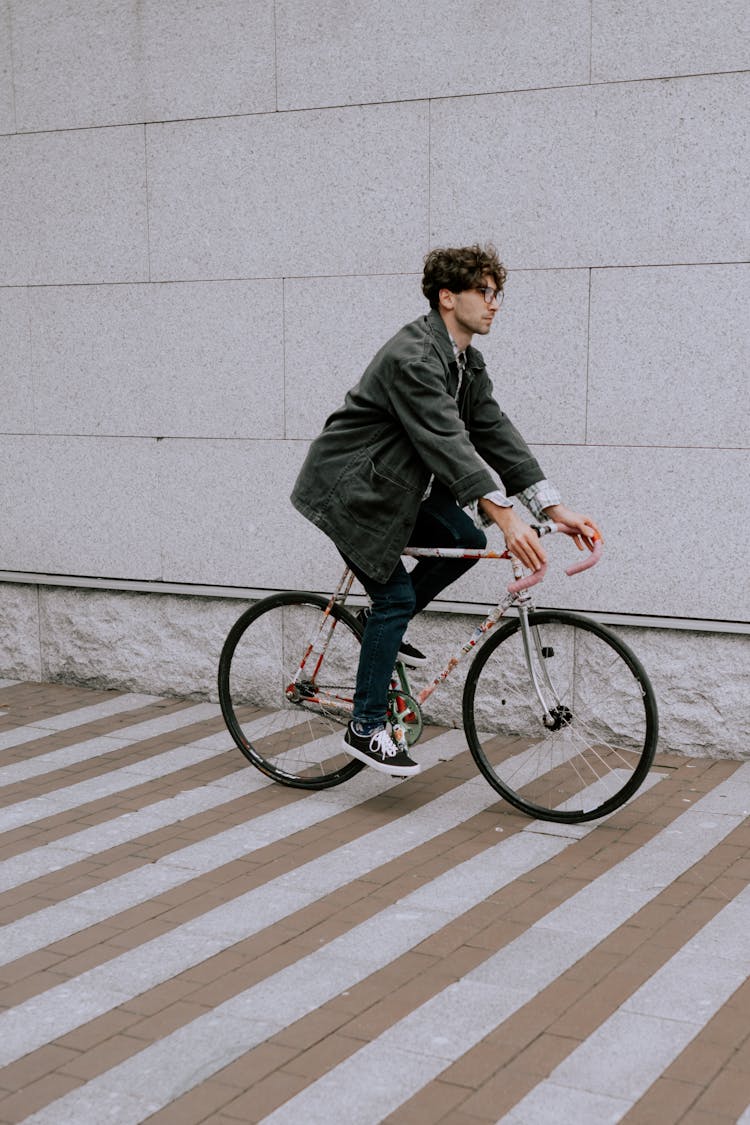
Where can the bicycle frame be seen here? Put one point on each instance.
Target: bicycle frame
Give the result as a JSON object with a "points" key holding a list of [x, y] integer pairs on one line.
{"points": [[558, 713], [518, 596]]}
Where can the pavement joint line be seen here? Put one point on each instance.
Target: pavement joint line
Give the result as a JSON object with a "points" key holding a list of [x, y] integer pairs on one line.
{"points": [[66, 720], [97, 904], [635, 1045], [417, 1048], [66, 1006], [105, 743]]}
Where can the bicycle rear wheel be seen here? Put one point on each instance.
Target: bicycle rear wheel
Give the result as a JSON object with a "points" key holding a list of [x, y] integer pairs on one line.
{"points": [[603, 737], [286, 685]]}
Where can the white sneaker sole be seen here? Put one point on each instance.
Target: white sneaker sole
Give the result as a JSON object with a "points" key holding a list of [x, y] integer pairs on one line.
{"points": [[381, 767]]}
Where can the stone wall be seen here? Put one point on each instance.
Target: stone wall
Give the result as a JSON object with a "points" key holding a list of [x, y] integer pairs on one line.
{"points": [[212, 215], [170, 645]]}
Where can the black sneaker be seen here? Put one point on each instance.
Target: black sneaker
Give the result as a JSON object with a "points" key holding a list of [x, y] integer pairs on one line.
{"points": [[381, 752], [408, 654]]}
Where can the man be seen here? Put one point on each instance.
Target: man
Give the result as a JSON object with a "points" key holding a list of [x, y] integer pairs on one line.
{"points": [[397, 463]]}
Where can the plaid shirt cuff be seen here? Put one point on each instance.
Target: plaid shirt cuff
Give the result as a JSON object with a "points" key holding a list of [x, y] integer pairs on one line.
{"points": [[497, 496], [539, 496], [536, 498]]}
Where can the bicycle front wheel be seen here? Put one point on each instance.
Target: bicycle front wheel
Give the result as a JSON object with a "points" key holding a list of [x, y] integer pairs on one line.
{"points": [[286, 686], [600, 735]]}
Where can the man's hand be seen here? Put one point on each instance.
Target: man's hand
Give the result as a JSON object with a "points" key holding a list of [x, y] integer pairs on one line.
{"points": [[586, 528], [520, 539]]}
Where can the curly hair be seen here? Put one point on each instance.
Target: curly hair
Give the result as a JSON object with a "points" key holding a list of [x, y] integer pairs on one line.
{"points": [[460, 268]]}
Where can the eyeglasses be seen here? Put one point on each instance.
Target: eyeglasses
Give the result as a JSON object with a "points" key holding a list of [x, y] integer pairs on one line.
{"points": [[490, 294]]}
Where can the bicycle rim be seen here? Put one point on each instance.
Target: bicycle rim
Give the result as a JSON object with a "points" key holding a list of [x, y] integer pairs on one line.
{"points": [[605, 718], [286, 685]]}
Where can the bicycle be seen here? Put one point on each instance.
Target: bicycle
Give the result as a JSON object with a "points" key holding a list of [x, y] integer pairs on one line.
{"points": [[558, 712]]}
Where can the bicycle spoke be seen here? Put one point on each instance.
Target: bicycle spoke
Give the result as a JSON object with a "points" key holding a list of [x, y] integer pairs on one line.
{"points": [[288, 657], [600, 733]]}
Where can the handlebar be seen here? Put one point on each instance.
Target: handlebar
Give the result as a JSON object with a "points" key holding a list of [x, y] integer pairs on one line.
{"points": [[549, 529], [528, 580]]}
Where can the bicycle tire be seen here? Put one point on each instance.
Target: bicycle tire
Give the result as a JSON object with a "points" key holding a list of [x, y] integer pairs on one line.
{"points": [[602, 748], [270, 707]]}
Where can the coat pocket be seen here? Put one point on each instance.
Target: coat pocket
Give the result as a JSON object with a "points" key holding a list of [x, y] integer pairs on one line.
{"points": [[377, 500]]}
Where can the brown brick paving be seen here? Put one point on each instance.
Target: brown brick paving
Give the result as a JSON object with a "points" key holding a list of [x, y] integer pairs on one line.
{"points": [[708, 1081]]}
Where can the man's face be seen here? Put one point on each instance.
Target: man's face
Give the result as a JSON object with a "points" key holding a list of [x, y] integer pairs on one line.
{"points": [[471, 310]]}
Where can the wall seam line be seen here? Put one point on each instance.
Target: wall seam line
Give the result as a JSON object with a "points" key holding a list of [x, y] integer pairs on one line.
{"points": [[147, 203]]}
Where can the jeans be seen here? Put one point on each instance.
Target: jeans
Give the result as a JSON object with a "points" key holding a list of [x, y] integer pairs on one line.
{"points": [[440, 523]]}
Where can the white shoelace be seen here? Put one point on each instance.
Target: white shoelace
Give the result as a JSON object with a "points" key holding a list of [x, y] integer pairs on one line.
{"points": [[382, 743]]}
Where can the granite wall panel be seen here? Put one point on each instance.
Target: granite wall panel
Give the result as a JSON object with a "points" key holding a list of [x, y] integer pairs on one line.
{"points": [[333, 53], [334, 326], [80, 505], [651, 39], [606, 175], [536, 353], [17, 413], [7, 99], [669, 357], [121, 61], [20, 647], [208, 60], [244, 531], [340, 191], [88, 54], [172, 360], [74, 207]]}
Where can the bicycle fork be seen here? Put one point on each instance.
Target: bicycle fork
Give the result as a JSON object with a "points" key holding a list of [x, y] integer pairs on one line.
{"points": [[554, 714]]}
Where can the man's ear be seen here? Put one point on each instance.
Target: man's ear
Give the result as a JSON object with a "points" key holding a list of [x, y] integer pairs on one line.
{"points": [[447, 298]]}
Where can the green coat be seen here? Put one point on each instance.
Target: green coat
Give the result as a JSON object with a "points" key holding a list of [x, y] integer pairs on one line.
{"points": [[365, 475]]}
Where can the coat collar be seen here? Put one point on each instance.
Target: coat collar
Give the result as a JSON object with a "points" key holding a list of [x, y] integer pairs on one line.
{"points": [[474, 358]]}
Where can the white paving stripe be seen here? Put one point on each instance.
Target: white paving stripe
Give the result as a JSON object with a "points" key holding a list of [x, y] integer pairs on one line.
{"points": [[148, 1081], [115, 781], [25, 866], [77, 718], [250, 1018], [415, 1050], [66, 1006], [106, 743], [53, 923], [631, 1049]]}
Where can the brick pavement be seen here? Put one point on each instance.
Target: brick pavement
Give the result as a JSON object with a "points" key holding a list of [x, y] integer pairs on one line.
{"points": [[184, 941]]}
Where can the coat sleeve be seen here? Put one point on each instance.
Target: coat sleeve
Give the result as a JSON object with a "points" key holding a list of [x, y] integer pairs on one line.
{"points": [[497, 440], [419, 399]]}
